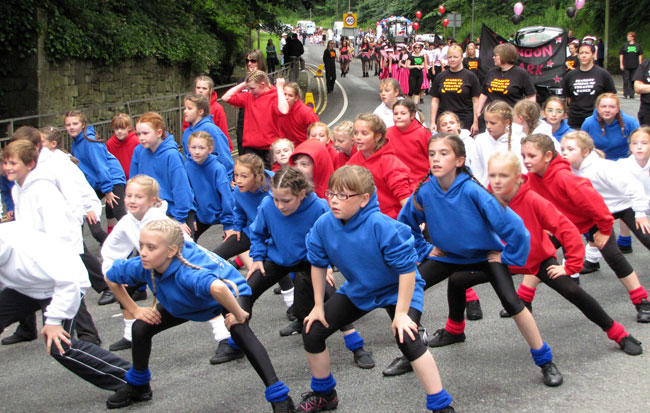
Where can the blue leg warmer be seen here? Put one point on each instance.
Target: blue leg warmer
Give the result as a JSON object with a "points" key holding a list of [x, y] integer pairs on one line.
{"points": [[543, 355], [353, 341], [624, 241], [323, 386], [138, 377], [276, 392], [438, 400]]}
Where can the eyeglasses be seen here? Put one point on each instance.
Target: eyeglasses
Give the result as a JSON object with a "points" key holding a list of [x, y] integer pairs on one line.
{"points": [[251, 60], [552, 111], [340, 196]]}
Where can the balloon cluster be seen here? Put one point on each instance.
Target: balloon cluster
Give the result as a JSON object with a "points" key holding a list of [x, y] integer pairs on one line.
{"points": [[572, 11], [517, 17], [418, 16]]}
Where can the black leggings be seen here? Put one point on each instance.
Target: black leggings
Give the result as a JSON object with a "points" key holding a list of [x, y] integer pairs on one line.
{"points": [[415, 82], [497, 274], [612, 253], [200, 229], [231, 247], [274, 274], [241, 334], [563, 285], [119, 210], [627, 216], [340, 311]]}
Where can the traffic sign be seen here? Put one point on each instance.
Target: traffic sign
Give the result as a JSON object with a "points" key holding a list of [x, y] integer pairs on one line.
{"points": [[349, 20]]}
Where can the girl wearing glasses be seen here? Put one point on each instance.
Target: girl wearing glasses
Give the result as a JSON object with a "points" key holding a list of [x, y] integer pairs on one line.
{"points": [[554, 112]]}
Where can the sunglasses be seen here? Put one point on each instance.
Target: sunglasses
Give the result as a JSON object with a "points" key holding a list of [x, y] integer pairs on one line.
{"points": [[251, 60]]}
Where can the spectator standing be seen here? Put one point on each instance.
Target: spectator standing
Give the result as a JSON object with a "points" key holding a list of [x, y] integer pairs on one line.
{"points": [[631, 56]]}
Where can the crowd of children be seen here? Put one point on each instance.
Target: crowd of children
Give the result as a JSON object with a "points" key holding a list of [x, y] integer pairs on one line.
{"points": [[294, 207]]}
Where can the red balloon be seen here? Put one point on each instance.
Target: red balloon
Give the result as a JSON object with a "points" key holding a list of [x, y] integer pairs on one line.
{"points": [[416, 26], [445, 22], [418, 14], [442, 9]]}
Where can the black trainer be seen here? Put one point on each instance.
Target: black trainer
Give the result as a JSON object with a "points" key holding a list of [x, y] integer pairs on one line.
{"points": [[588, 267], [552, 376], [631, 345], [625, 249], [277, 291], [474, 310], [643, 311], [128, 394], [447, 409], [397, 367], [121, 344], [316, 402], [107, 297], [139, 295], [294, 327], [285, 406], [15, 339], [443, 337], [225, 353], [290, 315], [363, 358], [505, 314]]}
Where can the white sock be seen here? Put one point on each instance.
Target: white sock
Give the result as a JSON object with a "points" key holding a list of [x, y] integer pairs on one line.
{"points": [[128, 324], [219, 329], [577, 275], [592, 254], [287, 296]]}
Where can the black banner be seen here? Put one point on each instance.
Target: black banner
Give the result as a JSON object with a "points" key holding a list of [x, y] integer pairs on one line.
{"points": [[545, 63]]}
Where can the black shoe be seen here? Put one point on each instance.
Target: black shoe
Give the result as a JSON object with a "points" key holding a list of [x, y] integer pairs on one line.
{"points": [[552, 376], [316, 402], [443, 337], [277, 291], [121, 344], [447, 409], [588, 267], [285, 406], [107, 297], [643, 311], [15, 339], [363, 358], [505, 314], [290, 315], [295, 327], [139, 295], [631, 345], [397, 367], [128, 394], [625, 249], [225, 353], [474, 311]]}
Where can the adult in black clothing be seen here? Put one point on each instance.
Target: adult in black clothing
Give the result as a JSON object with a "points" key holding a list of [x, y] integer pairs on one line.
{"points": [[456, 90], [582, 87], [642, 87], [292, 52], [630, 56], [506, 81], [329, 61], [417, 64]]}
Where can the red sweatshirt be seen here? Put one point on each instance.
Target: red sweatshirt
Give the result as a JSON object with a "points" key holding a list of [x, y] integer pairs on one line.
{"points": [[411, 147], [322, 163], [574, 196], [123, 150], [294, 124], [342, 158], [392, 178], [539, 216], [218, 116], [260, 126]]}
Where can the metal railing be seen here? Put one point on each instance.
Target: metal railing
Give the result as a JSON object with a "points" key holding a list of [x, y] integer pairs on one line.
{"points": [[170, 107]]}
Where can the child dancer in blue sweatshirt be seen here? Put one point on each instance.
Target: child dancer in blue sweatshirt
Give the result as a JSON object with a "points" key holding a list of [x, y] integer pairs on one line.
{"points": [[278, 248], [191, 283], [210, 183], [158, 157], [197, 113], [452, 202], [380, 272]]}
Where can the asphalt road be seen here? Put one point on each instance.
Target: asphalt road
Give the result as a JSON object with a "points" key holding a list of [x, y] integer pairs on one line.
{"points": [[492, 371]]}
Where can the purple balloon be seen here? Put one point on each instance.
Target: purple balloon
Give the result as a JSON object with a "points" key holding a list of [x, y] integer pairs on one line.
{"points": [[580, 4], [519, 7]]}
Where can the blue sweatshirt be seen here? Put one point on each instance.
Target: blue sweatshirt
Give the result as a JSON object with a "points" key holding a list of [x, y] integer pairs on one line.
{"points": [[181, 290], [101, 168], [466, 222], [613, 143], [166, 166], [6, 192], [221, 147], [246, 204], [281, 239], [371, 250], [211, 187], [562, 130]]}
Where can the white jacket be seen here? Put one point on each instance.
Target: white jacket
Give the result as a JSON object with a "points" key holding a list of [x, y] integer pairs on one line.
{"points": [[470, 148], [39, 266], [617, 186], [40, 205], [642, 174], [72, 175], [486, 146]]}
